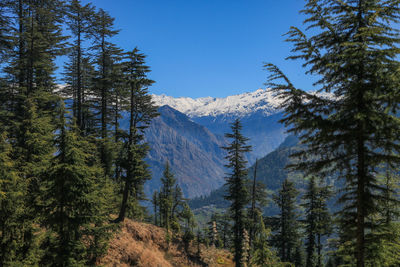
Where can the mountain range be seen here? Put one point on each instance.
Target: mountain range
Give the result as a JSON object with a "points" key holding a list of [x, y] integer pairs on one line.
{"points": [[189, 134]]}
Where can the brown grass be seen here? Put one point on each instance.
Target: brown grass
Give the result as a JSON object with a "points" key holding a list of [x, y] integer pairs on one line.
{"points": [[144, 245]]}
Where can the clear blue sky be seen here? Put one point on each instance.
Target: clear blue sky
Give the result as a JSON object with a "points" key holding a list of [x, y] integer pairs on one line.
{"points": [[212, 48]]}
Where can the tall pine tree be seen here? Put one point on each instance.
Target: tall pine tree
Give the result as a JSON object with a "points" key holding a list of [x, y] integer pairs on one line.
{"points": [[287, 237], [353, 48], [80, 22], [236, 183], [106, 56], [317, 220], [141, 110], [73, 199]]}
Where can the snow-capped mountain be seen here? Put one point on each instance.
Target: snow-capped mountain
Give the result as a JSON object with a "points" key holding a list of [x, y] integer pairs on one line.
{"points": [[261, 100], [258, 111]]}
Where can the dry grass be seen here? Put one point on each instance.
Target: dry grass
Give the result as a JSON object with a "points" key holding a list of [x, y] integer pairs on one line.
{"points": [[144, 245]]}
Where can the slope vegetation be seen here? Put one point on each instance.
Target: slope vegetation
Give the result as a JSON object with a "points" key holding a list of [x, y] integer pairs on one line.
{"points": [[145, 245]]}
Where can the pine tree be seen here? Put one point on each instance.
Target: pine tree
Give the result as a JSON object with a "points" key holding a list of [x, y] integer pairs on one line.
{"points": [[188, 225], [299, 258], [141, 111], [106, 56], [353, 49], [236, 183], [79, 22], [73, 199], [213, 230], [12, 205], [317, 222], [287, 237], [166, 197], [5, 25], [106, 51], [310, 206], [223, 227], [34, 159], [258, 201], [263, 254]]}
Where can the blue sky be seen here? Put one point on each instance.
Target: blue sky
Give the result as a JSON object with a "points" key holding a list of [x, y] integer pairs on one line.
{"points": [[215, 48]]}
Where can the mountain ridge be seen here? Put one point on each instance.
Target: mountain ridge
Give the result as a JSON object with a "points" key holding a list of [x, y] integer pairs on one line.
{"points": [[238, 105]]}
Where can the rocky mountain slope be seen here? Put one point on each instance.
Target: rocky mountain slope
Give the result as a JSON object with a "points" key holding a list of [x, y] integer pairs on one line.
{"points": [[193, 152], [259, 112]]}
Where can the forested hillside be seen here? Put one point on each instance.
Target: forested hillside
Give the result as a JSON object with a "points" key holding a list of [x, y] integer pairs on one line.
{"points": [[75, 181]]}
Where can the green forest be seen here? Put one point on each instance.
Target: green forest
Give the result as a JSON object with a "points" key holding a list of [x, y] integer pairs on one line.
{"points": [[70, 175]]}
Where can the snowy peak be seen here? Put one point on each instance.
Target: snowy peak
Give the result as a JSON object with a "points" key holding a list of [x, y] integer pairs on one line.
{"points": [[237, 105]]}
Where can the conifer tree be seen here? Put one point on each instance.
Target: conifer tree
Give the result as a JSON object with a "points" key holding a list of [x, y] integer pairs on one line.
{"points": [[223, 224], [324, 219], [106, 56], [263, 254], [188, 225], [317, 221], [287, 237], [166, 196], [79, 22], [213, 232], [236, 183], [353, 49], [310, 206], [258, 202], [73, 199], [12, 206], [102, 31], [5, 26], [141, 111]]}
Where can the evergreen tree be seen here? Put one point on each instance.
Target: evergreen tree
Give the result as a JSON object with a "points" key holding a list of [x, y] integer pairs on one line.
{"points": [[354, 50], [73, 199], [317, 221], [310, 206], [324, 221], [263, 254], [213, 230], [175, 213], [223, 227], [5, 26], [107, 55], [258, 201], [299, 258], [166, 197], [79, 22], [287, 237], [236, 183], [188, 225], [12, 205], [141, 111], [34, 159]]}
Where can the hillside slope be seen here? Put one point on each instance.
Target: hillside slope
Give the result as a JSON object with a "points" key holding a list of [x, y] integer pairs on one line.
{"points": [[270, 171], [193, 152], [144, 245]]}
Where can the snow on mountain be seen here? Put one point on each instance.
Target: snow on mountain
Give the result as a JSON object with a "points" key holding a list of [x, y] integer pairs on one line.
{"points": [[237, 105]]}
